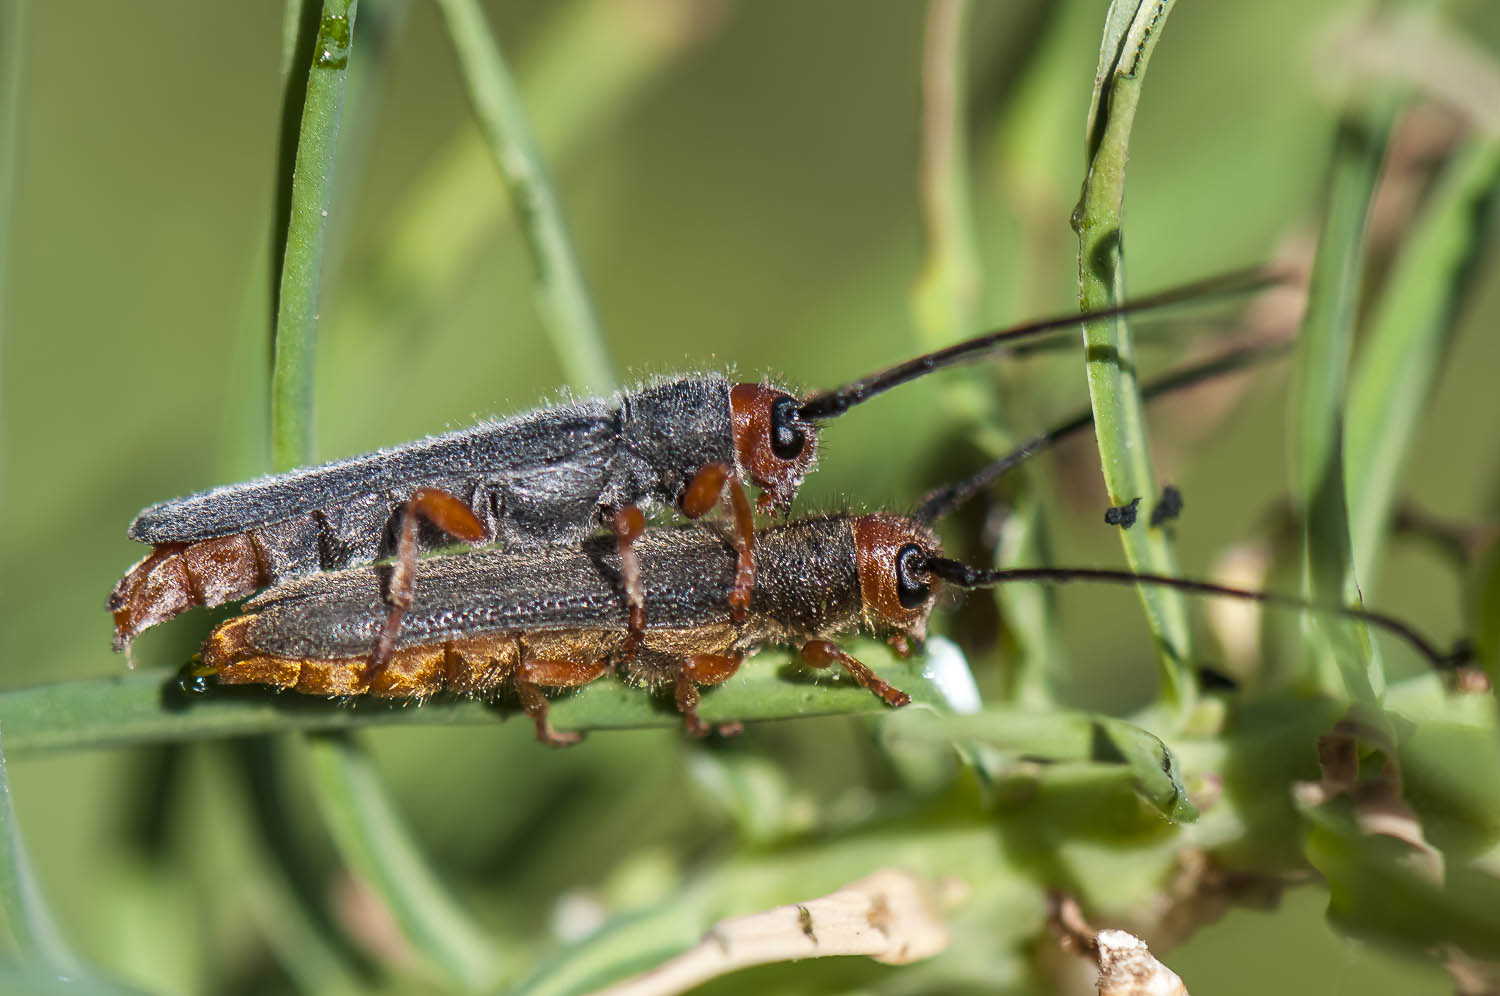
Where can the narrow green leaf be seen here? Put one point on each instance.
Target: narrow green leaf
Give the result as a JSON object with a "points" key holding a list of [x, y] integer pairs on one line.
{"points": [[562, 294], [1376, 891], [373, 840], [311, 197], [453, 208], [147, 706], [279, 897], [1318, 405], [1412, 326], [1057, 736], [1119, 418], [366, 826]]}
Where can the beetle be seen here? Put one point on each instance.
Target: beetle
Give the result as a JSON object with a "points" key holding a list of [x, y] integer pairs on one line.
{"points": [[517, 622], [547, 478]]}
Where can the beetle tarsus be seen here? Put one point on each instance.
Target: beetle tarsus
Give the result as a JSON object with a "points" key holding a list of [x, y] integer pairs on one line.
{"points": [[535, 704], [824, 653]]}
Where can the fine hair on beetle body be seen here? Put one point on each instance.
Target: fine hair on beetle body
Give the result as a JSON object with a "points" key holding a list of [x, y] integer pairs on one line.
{"points": [[516, 622], [546, 478], [505, 620]]}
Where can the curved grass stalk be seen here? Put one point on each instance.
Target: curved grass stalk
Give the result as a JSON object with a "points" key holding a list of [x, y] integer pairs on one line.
{"points": [[1131, 32], [1412, 326], [365, 826], [1342, 652], [373, 839], [307, 225], [567, 311], [148, 707]]}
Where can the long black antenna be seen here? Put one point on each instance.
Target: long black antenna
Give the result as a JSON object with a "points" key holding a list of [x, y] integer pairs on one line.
{"points": [[964, 576], [827, 404], [940, 501]]}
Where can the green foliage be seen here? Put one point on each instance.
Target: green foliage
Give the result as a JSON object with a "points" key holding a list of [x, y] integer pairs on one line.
{"points": [[1132, 30], [740, 188]]}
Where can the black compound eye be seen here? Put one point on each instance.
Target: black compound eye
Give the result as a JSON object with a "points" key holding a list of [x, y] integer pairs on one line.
{"points": [[911, 592], [787, 437]]}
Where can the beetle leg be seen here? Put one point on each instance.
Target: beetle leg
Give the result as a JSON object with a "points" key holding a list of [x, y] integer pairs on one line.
{"points": [[701, 669], [451, 516], [703, 492], [552, 673], [822, 653], [627, 524]]}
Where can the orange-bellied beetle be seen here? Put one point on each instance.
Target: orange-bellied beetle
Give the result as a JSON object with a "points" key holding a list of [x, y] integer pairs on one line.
{"points": [[548, 478], [508, 622]]}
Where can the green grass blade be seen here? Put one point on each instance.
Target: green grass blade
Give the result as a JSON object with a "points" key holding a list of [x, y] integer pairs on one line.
{"points": [[1119, 417], [1318, 404], [1061, 735], [32, 929], [307, 225], [567, 310], [146, 706], [366, 827], [1410, 332], [371, 837], [453, 208], [283, 902]]}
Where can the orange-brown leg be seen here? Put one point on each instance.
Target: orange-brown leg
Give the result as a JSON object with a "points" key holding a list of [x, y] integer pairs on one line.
{"points": [[552, 673], [703, 492], [627, 524], [452, 517], [701, 669], [822, 653]]}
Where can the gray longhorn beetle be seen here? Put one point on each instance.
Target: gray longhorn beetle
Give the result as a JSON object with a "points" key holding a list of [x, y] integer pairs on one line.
{"points": [[547, 478], [510, 623]]}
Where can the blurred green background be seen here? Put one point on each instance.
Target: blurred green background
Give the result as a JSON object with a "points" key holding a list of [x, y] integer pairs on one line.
{"points": [[743, 196]]}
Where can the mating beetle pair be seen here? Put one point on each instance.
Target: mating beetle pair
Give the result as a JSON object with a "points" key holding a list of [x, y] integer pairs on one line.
{"points": [[554, 608]]}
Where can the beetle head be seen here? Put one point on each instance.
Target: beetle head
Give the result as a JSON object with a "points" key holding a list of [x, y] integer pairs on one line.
{"points": [[894, 585], [775, 445]]}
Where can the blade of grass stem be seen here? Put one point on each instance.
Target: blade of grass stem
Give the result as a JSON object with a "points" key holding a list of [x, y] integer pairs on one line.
{"points": [[1342, 650], [146, 706], [311, 194], [364, 824], [454, 207], [945, 303], [34, 932], [259, 837], [371, 837], [567, 311], [1411, 327], [1119, 418], [1062, 735]]}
